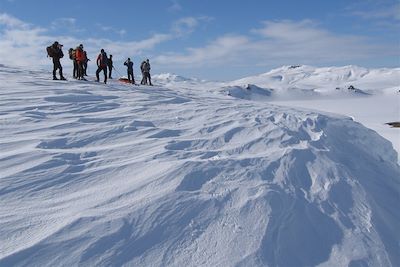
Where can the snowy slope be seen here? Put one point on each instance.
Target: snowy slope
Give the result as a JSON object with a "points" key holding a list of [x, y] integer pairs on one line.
{"points": [[113, 175], [327, 81], [373, 101], [369, 96]]}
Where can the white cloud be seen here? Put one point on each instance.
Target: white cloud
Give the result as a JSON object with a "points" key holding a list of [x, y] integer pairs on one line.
{"points": [[23, 44], [63, 21], [278, 42], [222, 49], [67, 25], [12, 22], [120, 49], [289, 31], [187, 25], [175, 6], [120, 32], [391, 12]]}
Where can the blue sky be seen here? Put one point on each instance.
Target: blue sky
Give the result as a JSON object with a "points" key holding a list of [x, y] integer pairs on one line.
{"points": [[209, 39]]}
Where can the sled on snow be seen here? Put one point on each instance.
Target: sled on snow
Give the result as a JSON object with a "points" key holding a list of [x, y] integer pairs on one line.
{"points": [[124, 80]]}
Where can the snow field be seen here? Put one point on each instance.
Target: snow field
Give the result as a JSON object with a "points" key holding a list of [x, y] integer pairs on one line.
{"points": [[186, 175]]}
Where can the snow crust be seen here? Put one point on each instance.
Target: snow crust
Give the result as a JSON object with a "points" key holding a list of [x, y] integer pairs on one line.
{"points": [[194, 173]]}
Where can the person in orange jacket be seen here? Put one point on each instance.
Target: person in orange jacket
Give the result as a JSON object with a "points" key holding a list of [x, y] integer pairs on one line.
{"points": [[80, 59]]}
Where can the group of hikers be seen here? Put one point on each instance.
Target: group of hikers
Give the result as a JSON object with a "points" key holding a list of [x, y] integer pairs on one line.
{"points": [[104, 63]]}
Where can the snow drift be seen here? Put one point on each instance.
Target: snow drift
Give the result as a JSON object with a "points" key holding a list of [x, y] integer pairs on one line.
{"points": [[119, 175]]}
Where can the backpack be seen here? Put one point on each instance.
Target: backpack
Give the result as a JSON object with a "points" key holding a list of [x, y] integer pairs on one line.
{"points": [[142, 66], [104, 59], [71, 53], [146, 67], [50, 51]]}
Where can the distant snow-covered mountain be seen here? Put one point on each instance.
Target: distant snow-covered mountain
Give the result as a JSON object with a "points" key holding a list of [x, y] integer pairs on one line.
{"points": [[300, 82], [328, 76], [186, 175], [306, 81]]}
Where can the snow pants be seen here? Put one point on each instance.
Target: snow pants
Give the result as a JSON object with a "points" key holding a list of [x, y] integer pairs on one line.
{"points": [[104, 69], [57, 66]]}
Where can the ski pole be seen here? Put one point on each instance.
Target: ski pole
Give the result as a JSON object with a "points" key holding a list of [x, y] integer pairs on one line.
{"points": [[117, 71]]}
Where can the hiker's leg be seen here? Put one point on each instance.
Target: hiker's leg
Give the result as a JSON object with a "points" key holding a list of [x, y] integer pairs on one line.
{"points": [[61, 71], [149, 78], [75, 70], [97, 73], [105, 74]]}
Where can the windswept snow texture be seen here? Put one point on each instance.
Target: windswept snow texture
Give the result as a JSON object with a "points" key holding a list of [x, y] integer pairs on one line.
{"points": [[369, 96], [118, 175]]}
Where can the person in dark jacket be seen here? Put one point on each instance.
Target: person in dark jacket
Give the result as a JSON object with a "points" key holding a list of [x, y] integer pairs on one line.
{"points": [[129, 64], [146, 72], [56, 53], [110, 66], [102, 65], [85, 63]]}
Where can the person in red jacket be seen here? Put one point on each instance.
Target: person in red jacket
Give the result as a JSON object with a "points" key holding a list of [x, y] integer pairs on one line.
{"points": [[102, 61], [80, 59]]}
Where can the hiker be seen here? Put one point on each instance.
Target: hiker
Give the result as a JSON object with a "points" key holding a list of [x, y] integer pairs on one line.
{"points": [[54, 51], [85, 63], [129, 64], [71, 53], [141, 69], [110, 66], [146, 72], [80, 59], [102, 65]]}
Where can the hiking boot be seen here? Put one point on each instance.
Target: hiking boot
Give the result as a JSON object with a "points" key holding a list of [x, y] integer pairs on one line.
{"points": [[55, 78], [63, 78]]}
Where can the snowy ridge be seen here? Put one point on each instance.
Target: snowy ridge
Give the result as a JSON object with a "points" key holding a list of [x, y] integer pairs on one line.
{"points": [[306, 81], [169, 78], [249, 92], [119, 175]]}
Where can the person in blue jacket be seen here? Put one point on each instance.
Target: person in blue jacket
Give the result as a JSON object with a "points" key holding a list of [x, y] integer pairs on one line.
{"points": [[129, 64]]}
